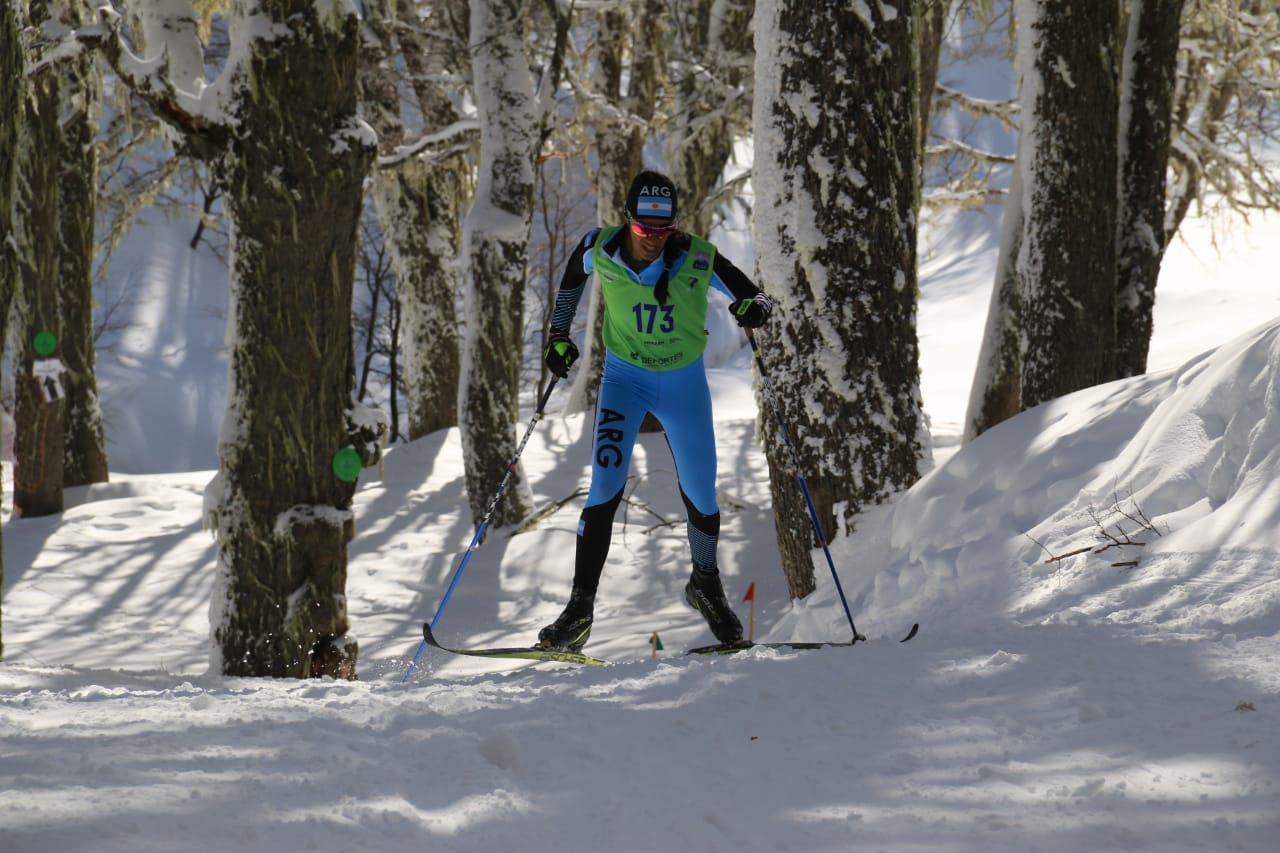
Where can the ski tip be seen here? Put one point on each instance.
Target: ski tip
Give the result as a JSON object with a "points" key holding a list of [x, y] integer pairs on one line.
{"points": [[427, 635], [915, 628]]}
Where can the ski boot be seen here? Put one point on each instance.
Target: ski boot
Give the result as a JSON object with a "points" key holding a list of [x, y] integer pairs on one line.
{"points": [[572, 628], [705, 594]]}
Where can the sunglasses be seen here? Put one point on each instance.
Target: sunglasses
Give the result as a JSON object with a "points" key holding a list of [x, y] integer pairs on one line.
{"points": [[641, 230]]}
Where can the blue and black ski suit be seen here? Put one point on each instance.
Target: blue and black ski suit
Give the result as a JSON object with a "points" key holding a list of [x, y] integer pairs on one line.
{"points": [[679, 398]]}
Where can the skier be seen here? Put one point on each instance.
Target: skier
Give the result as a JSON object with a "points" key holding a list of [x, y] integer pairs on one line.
{"points": [[654, 280]]}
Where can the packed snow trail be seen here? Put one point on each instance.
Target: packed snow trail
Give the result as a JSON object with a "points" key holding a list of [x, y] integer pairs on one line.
{"points": [[1052, 738]]}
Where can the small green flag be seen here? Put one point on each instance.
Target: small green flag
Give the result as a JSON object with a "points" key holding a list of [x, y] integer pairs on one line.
{"points": [[656, 642], [347, 464]]}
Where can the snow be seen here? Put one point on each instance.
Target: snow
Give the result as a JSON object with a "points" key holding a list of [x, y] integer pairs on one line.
{"points": [[1064, 706]]}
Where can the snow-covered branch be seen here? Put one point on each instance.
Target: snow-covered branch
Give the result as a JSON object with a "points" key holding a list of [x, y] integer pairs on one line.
{"points": [[1003, 111], [150, 80], [459, 136], [955, 146]]}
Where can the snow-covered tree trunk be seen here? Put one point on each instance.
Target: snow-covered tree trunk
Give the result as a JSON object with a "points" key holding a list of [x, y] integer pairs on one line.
{"points": [[283, 517], [12, 78], [835, 222], [419, 210], [495, 254], [85, 451], [996, 393], [711, 65], [39, 414], [618, 130], [1147, 82], [1067, 149]]}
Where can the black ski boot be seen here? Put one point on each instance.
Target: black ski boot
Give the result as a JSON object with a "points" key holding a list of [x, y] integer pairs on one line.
{"points": [[705, 594], [571, 629]]}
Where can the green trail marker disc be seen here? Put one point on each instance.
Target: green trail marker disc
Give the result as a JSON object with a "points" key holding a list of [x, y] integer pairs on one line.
{"points": [[347, 464], [45, 343]]}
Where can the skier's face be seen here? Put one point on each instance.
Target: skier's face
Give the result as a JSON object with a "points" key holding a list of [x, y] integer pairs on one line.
{"points": [[646, 236]]}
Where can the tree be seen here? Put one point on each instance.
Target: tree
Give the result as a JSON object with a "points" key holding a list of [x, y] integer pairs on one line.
{"points": [[495, 255], [835, 228], [1067, 149], [377, 320], [279, 127], [420, 199], [12, 80], [629, 47], [39, 406], [80, 97], [711, 79], [930, 31], [996, 393], [1227, 109], [1147, 79]]}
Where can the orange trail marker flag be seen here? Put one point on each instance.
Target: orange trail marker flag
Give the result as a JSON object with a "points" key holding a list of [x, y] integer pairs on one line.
{"points": [[751, 596]]}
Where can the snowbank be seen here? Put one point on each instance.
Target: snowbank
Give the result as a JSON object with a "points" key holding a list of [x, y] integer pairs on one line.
{"points": [[1195, 451]]}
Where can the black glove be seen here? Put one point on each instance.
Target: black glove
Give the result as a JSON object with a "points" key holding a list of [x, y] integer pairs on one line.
{"points": [[560, 353], [752, 311]]}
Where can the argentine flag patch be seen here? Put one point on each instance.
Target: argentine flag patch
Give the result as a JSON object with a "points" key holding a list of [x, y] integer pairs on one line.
{"points": [[654, 206]]}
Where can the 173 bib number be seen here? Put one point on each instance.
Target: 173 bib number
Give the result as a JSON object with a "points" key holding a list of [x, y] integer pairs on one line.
{"points": [[647, 315]]}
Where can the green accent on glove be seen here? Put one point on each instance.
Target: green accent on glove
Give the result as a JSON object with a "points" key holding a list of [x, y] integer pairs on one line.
{"points": [[559, 355], [751, 312]]}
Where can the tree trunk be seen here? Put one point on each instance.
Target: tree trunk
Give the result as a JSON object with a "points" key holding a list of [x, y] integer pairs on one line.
{"points": [[419, 207], [495, 251], [713, 93], [929, 34], [835, 230], [12, 78], [1146, 112], [85, 452], [996, 394], [1067, 145], [282, 516], [39, 405], [620, 153]]}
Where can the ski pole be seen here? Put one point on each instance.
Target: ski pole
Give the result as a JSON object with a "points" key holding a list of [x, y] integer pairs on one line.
{"points": [[804, 487], [484, 523]]}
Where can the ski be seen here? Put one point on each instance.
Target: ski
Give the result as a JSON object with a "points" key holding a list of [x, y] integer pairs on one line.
{"points": [[560, 656], [517, 653], [734, 648]]}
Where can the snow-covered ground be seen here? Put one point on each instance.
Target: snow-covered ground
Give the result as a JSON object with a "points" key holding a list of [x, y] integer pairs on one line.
{"points": [[1053, 706]]}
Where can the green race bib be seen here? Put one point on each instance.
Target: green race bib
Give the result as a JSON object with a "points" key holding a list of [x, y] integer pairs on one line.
{"points": [[643, 332]]}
